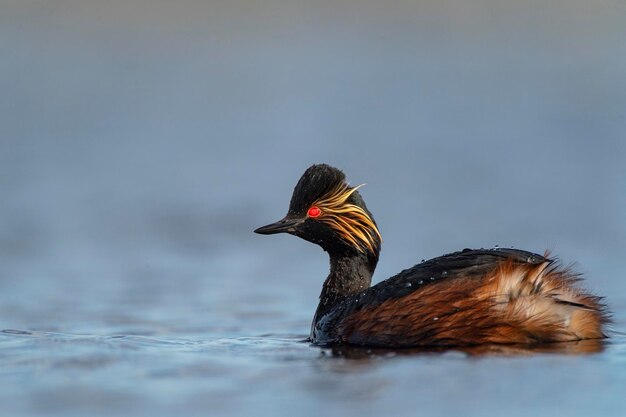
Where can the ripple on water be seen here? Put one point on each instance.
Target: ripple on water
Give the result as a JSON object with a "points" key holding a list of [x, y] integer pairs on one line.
{"points": [[239, 374]]}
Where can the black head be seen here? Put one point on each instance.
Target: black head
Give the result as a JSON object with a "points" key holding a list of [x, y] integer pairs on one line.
{"points": [[325, 210]]}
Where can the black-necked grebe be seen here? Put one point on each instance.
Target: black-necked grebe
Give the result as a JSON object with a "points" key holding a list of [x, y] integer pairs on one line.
{"points": [[464, 298]]}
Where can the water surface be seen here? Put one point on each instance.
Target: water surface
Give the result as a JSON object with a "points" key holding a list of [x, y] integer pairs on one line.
{"points": [[141, 142]]}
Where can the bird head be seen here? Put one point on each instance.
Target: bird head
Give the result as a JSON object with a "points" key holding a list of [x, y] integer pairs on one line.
{"points": [[327, 211]]}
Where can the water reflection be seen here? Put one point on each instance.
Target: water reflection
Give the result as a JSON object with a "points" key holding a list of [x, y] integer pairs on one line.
{"points": [[580, 347]]}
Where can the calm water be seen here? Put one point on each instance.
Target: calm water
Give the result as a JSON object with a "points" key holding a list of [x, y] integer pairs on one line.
{"points": [[141, 142]]}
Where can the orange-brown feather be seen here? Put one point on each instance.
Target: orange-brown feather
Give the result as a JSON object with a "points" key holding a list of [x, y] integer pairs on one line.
{"points": [[514, 303]]}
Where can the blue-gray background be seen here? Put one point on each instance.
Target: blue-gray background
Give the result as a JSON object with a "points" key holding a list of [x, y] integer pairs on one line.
{"points": [[141, 142]]}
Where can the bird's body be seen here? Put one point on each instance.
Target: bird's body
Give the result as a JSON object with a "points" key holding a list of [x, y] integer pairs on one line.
{"points": [[464, 298]]}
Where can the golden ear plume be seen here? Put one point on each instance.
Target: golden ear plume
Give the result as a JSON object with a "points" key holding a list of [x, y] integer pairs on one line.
{"points": [[352, 223]]}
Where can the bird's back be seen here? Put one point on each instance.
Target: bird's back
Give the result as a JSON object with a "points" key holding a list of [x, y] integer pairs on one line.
{"points": [[466, 298]]}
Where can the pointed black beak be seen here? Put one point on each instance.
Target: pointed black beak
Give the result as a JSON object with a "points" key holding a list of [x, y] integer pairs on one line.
{"points": [[282, 226]]}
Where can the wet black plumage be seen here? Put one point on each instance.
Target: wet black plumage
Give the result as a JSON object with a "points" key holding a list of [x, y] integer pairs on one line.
{"points": [[463, 298]]}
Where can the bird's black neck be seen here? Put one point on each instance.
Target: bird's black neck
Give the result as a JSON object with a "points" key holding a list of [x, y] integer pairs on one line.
{"points": [[349, 275]]}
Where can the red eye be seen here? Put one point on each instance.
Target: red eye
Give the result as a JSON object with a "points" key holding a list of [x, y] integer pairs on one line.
{"points": [[314, 212]]}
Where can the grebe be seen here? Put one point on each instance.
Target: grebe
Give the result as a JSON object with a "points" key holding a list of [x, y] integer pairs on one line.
{"points": [[471, 297]]}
